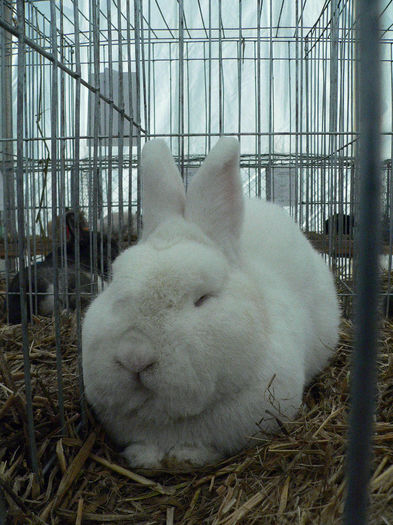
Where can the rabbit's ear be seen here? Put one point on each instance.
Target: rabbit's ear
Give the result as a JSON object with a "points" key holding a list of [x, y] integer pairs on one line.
{"points": [[72, 224], [215, 199], [163, 193]]}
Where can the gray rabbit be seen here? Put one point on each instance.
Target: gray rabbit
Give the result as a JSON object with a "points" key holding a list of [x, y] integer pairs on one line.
{"points": [[40, 292]]}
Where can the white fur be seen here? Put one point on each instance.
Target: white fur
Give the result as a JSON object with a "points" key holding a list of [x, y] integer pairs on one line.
{"points": [[174, 381]]}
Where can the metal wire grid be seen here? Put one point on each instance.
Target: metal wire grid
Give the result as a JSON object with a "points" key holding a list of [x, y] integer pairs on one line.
{"points": [[195, 78]]}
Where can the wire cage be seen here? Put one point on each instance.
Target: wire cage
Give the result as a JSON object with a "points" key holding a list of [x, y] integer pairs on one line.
{"points": [[85, 83]]}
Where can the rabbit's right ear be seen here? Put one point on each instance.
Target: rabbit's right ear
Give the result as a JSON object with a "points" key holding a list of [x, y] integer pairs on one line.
{"points": [[163, 194], [215, 199]]}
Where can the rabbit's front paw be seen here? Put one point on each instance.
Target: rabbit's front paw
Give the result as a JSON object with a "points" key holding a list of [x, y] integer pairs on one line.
{"points": [[143, 455], [187, 455]]}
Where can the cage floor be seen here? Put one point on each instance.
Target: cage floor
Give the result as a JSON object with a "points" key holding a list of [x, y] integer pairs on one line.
{"points": [[295, 477]]}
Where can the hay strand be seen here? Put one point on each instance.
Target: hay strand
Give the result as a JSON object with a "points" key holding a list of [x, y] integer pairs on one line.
{"points": [[132, 475]]}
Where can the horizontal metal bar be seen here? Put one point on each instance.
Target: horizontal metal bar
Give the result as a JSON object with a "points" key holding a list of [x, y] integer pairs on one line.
{"points": [[212, 134]]}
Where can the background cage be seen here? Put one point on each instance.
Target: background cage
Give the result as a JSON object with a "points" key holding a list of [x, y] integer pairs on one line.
{"points": [[92, 80]]}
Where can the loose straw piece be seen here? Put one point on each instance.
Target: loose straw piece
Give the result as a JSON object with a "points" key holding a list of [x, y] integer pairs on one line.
{"points": [[61, 456], [385, 477], [79, 512], [170, 515], [135, 477], [330, 416], [284, 496], [192, 505]]}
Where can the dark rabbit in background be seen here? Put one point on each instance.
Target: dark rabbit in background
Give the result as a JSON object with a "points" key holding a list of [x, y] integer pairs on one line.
{"points": [[340, 222], [39, 277]]}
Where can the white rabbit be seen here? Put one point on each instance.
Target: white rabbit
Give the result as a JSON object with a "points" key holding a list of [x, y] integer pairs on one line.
{"points": [[213, 323]]}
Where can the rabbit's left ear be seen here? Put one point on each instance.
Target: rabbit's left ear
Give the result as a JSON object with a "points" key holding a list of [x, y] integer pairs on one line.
{"points": [[215, 199]]}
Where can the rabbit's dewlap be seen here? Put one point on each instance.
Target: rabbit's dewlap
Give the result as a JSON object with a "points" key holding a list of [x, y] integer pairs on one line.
{"points": [[212, 325]]}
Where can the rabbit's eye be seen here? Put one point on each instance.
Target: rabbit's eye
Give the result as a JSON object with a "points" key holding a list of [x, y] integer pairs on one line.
{"points": [[201, 300]]}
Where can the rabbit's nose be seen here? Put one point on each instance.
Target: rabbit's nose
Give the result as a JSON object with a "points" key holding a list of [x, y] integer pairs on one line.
{"points": [[142, 366], [137, 369], [136, 352], [141, 377]]}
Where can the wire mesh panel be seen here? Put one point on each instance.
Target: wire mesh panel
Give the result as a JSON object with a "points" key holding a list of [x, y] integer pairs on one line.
{"points": [[85, 83]]}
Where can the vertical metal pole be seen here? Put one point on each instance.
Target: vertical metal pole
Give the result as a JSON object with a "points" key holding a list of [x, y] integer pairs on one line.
{"points": [[171, 113], [153, 86], [54, 120], [333, 95], [96, 123], [258, 113], [309, 185], [121, 121], [300, 130], [389, 204], [7, 148], [297, 110], [363, 385], [7, 170], [181, 91], [108, 225], [220, 74], [209, 117], [269, 170], [291, 197], [188, 83], [149, 76], [313, 126], [206, 88], [130, 222], [110, 127], [75, 182], [322, 127], [239, 74], [28, 176], [62, 187], [21, 231], [145, 88], [138, 110]]}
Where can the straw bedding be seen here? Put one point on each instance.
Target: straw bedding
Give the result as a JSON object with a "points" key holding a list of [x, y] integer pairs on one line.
{"points": [[294, 477]]}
